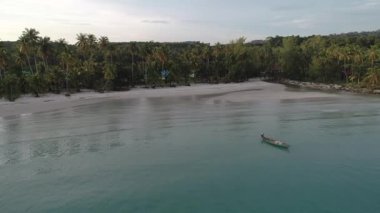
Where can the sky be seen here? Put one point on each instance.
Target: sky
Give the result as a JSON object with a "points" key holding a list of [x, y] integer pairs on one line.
{"points": [[186, 20]]}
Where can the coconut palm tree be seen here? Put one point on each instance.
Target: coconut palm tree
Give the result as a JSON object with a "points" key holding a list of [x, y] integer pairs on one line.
{"points": [[196, 61], [3, 62], [28, 46], [19, 60], [61, 46], [358, 61], [109, 70], [82, 44], [345, 55], [132, 49], [103, 43], [206, 55], [24, 49], [218, 62], [143, 52], [373, 55], [161, 55], [373, 77], [66, 61], [92, 41], [45, 50], [106, 49], [90, 45]]}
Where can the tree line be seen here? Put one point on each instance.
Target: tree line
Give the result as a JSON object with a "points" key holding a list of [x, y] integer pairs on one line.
{"points": [[35, 64]]}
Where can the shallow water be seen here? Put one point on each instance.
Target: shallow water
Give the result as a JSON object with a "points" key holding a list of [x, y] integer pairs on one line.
{"points": [[190, 154]]}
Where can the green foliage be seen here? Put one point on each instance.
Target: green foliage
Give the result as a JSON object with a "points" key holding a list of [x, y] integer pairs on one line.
{"points": [[109, 76], [238, 61], [39, 65], [36, 84], [372, 78], [292, 59], [55, 80], [10, 87]]}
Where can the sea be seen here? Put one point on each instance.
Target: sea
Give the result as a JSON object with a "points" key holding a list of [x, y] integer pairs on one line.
{"points": [[190, 154]]}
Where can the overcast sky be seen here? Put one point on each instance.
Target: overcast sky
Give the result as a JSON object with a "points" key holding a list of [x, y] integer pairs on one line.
{"points": [[185, 20]]}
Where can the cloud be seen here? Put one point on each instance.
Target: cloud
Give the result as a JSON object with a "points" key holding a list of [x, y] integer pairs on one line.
{"points": [[291, 7], [366, 5], [370, 4], [146, 21], [69, 22], [302, 23], [205, 20]]}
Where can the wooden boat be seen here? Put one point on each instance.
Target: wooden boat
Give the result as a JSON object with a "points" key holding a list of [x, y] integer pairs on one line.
{"points": [[274, 142]]}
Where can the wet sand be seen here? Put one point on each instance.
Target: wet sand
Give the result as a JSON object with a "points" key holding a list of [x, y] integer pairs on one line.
{"points": [[254, 90]]}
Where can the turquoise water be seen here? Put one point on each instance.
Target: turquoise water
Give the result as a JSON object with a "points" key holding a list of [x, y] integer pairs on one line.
{"points": [[191, 155]]}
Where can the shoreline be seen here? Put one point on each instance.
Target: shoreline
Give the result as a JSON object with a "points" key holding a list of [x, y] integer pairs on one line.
{"points": [[253, 90], [329, 87]]}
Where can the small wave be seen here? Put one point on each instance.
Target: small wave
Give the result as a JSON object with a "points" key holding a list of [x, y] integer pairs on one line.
{"points": [[25, 114], [17, 116], [331, 110]]}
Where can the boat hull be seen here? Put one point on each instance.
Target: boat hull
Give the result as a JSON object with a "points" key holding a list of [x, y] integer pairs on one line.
{"points": [[275, 143]]}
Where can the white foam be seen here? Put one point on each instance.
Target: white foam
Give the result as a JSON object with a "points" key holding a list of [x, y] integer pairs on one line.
{"points": [[26, 114]]}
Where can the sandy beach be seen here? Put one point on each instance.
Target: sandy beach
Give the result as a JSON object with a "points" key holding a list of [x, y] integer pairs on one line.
{"points": [[253, 90]]}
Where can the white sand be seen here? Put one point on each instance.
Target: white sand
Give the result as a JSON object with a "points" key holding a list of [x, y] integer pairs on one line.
{"points": [[242, 92]]}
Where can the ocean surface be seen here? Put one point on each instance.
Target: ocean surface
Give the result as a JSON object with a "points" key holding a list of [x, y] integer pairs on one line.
{"points": [[190, 154]]}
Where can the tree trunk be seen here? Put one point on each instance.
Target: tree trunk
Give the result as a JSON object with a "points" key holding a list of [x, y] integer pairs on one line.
{"points": [[208, 69], [146, 75], [133, 60], [67, 79], [46, 64], [30, 66], [35, 63]]}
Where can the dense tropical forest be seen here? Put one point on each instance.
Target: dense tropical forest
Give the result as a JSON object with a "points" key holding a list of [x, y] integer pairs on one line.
{"points": [[35, 64]]}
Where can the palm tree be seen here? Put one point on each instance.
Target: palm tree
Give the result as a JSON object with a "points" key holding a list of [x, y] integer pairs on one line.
{"points": [[109, 71], [106, 48], [358, 61], [61, 41], [19, 60], [3, 62], [344, 55], [28, 40], [206, 55], [237, 60], [31, 34], [149, 69], [133, 48], [373, 55], [66, 60], [182, 63], [218, 62], [161, 55], [61, 46], [373, 77], [103, 42], [44, 50], [82, 44], [24, 49], [142, 64], [195, 57], [91, 38]]}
